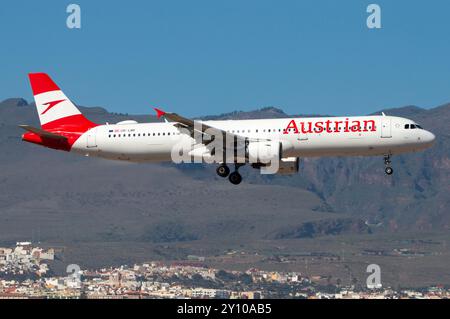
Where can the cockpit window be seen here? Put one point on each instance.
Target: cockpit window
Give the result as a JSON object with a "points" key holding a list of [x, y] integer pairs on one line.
{"points": [[413, 126]]}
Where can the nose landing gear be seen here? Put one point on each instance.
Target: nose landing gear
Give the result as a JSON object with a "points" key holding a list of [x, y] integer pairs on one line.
{"points": [[387, 161]]}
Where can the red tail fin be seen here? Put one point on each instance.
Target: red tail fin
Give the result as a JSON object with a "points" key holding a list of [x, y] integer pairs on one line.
{"points": [[56, 111]]}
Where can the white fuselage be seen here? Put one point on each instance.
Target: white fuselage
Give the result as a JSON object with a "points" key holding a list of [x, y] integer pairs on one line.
{"points": [[306, 137]]}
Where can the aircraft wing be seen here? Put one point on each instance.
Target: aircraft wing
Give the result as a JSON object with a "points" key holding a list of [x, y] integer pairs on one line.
{"points": [[206, 132], [42, 133]]}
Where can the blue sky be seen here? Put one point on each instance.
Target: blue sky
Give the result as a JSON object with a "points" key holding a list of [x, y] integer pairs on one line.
{"points": [[208, 57]]}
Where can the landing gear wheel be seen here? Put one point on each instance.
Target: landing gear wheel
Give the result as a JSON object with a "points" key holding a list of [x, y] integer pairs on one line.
{"points": [[387, 161], [389, 170], [223, 171], [235, 178]]}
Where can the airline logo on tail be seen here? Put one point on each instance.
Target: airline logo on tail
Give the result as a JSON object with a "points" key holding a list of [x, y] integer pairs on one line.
{"points": [[50, 105]]}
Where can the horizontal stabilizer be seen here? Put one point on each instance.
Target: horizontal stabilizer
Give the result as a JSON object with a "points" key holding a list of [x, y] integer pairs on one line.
{"points": [[42, 133]]}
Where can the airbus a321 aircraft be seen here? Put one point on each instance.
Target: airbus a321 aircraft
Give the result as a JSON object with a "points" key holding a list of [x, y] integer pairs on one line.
{"points": [[226, 143]]}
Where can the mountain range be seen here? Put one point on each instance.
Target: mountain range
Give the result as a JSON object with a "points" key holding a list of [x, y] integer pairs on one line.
{"points": [[173, 210]]}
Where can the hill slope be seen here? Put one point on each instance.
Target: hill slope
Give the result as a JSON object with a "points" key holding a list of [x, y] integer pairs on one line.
{"points": [[107, 212]]}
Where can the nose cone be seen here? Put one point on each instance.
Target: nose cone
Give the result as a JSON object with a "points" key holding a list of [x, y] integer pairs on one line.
{"points": [[429, 138]]}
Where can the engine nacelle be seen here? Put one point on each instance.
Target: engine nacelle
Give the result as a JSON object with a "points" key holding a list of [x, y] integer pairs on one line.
{"points": [[288, 166], [285, 166], [263, 152]]}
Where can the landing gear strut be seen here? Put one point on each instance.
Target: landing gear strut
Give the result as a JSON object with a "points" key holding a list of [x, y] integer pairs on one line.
{"points": [[223, 170], [387, 161], [235, 178]]}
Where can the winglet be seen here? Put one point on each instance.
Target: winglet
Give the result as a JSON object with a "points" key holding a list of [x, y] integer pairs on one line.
{"points": [[159, 112]]}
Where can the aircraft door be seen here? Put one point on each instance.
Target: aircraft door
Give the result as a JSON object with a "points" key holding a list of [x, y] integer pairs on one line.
{"points": [[386, 127], [92, 138]]}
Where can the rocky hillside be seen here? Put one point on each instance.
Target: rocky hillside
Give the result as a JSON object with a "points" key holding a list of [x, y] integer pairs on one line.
{"points": [[59, 196], [415, 197]]}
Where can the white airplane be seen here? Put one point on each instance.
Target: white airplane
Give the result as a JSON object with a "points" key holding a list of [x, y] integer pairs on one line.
{"points": [[230, 142]]}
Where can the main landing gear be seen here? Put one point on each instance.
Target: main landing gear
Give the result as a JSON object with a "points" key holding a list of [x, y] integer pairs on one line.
{"points": [[235, 178], [387, 162], [224, 171]]}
